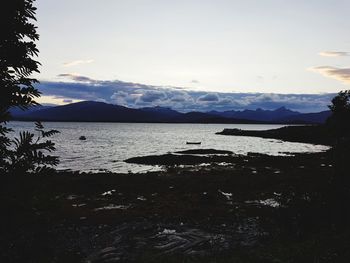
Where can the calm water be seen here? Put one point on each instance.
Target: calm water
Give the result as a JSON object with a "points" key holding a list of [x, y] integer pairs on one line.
{"points": [[108, 144]]}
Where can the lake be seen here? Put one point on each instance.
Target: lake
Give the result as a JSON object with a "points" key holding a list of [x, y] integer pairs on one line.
{"points": [[109, 144]]}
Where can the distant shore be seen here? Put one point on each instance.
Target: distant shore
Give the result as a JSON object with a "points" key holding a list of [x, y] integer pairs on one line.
{"points": [[314, 134]]}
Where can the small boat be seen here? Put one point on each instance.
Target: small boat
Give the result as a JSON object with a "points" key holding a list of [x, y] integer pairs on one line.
{"points": [[193, 142], [82, 138]]}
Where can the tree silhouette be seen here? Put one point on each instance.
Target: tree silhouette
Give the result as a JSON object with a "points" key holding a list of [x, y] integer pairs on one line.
{"points": [[339, 121], [17, 51]]}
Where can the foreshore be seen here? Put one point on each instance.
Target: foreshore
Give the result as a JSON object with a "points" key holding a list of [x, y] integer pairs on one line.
{"points": [[256, 208]]}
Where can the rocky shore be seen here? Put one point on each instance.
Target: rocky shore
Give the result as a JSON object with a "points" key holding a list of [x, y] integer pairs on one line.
{"points": [[256, 208]]}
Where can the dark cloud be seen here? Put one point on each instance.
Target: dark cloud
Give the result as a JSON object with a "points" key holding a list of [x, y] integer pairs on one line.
{"points": [[152, 95], [138, 95], [76, 77]]}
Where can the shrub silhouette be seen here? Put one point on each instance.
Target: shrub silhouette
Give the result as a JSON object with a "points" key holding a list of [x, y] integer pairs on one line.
{"points": [[27, 153]]}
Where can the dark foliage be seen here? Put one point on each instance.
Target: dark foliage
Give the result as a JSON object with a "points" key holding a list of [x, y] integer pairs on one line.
{"points": [[17, 49], [339, 121], [339, 124], [27, 154]]}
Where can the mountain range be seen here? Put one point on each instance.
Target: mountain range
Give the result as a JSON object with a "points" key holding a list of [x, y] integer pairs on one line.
{"points": [[92, 111]]}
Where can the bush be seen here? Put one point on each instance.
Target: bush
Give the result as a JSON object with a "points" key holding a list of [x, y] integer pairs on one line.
{"points": [[27, 153]]}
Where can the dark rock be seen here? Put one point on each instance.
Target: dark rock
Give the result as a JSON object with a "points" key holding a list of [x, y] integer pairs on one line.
{"points": [[204, 151]]}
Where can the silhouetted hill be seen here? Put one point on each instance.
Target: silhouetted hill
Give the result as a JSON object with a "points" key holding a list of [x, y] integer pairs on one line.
{"points": [[92, 111], [201, 117], [166, 113], [318, 117], [89, 111], [258, 114], [194, 116], [17, 112]]}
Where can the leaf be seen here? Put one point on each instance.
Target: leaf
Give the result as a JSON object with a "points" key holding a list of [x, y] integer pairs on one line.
{"points": [[38, 126], [49, 133]]}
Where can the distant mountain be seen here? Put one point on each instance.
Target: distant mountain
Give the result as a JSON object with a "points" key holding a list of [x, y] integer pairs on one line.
{"points": [[165, 112], [201, 117], [258, 114], [91, 111], [17, 112], [318, 117]]}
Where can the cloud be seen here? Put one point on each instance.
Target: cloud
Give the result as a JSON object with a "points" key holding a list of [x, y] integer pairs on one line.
{"points": [[120, 98], [178, 98], [334, 54], [135, 95], [226, 101], [260, 78], [152, 95], [194, 81], [341, 74], [125, 98], [77, 62], [209, 97], [76, 77]]}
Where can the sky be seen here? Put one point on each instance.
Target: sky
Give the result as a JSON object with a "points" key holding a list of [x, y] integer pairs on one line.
{"points": [[224, 49]]}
